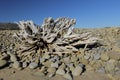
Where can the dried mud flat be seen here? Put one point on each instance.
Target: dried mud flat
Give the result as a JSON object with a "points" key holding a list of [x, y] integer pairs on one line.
{"points": [[100, 62]]}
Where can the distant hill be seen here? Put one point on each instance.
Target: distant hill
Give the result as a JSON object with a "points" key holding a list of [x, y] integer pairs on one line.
{"points": [[8, 26]]}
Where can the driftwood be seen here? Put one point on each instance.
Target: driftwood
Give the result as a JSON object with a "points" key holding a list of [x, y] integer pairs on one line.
{"points": [[52, 36]]}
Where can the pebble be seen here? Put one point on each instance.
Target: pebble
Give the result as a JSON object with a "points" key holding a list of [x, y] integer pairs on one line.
{"points": [[3, 63], [51, 75], [114, 55], [74, 58], [47, 63], [101, 70], [110, 66], [56, 65], [24, 65], [84, 61], [104, 57], [33, 65], [77, 71], [42, 60], [87, 56], [56, 57], [60, 71], [68, 76], [13, 57], [46, 56], [66, 60], [62, 66], [43, 69], [16, 65], [51, 70], [96, 56]]}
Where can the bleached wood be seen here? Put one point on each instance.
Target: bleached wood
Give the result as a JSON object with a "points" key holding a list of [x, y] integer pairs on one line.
{"points": [[54, 35]]}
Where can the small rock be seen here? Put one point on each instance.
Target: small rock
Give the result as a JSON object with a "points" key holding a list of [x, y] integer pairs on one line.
{"points": [[3, 63], [84, 61], [87, 56], [101, 70], [68, 76], [46, 56], [71, 66], [42, 60], [24, 65], [77, 71], [110, 66], [104, 57], [56, 57], [114, 55], [47, 63], [52, 59], [74, 58], [13, 57], [96, 56], [60, 72], [16, 65], [43, 69], [66, 60], [33, 65], [56, 65], [51, 75], [51, 70]]}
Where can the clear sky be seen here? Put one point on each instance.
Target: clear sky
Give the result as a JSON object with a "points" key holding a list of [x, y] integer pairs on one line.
{"points": [[88, 13]]}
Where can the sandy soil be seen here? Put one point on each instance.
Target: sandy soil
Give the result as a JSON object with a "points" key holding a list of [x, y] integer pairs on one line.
{"points": [[26, 74]]}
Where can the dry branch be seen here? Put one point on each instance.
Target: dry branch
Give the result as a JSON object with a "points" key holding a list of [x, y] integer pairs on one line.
{"points": [[52, 36]]}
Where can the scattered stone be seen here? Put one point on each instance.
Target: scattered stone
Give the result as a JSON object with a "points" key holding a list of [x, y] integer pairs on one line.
{"points": [[3, 63], [13, 57], [96, 56], [16, 65], [68, 76], [51, 70], [84, 61], [24, 65], [56, 57], [73, 58], [101, 70], [47, 63], [60, 71], [77, 71], [114, 55], [56, 65], [33, 65], [97, 65], [104, 57], [66, 60], [67, 69], [110, 66], [52, 59], [51, 75], [42, 60], [46, 56], [43, 69], [87, 56]]}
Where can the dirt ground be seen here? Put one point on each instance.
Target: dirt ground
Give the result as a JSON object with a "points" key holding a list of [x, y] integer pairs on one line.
{"points": [[26, 74], [109, 36]]}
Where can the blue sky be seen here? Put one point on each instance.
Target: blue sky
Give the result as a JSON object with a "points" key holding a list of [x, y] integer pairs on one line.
{"points": [[88, 13]]}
